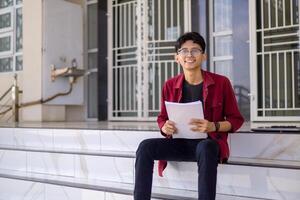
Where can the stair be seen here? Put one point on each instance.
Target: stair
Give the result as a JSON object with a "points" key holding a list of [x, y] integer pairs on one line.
{"points": [[101, 163]]}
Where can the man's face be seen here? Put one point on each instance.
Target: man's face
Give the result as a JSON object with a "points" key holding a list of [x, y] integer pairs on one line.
{"points": [[190, 56]]}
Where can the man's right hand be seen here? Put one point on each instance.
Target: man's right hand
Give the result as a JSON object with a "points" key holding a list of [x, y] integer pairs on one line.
{"points": [[169, 128]]}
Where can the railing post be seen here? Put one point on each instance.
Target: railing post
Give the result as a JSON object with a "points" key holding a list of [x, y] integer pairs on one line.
{"points": [[15, 99]]}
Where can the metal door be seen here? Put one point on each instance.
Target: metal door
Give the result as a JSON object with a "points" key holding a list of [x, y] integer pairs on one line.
{"points": [[275, 60], [142, 35]]}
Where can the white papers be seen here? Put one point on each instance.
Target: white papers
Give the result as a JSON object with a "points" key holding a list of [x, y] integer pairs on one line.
{"points": [[181, 114]]}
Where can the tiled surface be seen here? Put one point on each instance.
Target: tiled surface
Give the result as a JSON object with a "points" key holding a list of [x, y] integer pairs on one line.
{"points": [[15, 160], [76, 139], [105, 168], [49, 163], [21, 190], [122, 141], [235, 180], [266, 146]]}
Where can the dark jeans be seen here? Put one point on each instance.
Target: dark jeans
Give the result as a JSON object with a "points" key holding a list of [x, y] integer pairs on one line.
{"points": [[205, 152]]}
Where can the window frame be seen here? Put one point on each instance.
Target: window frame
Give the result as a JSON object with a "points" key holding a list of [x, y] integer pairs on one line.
{"points": [[11, 31]]}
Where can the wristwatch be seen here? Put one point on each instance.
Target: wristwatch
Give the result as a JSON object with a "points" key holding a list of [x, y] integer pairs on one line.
{"points": [[217, 125]]}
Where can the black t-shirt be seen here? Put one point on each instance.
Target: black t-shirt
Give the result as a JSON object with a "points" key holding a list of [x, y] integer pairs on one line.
{"points": [[192, 93]]}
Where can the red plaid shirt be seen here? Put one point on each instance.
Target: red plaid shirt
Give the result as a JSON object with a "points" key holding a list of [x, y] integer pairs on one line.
{"points": [[219, 105]]}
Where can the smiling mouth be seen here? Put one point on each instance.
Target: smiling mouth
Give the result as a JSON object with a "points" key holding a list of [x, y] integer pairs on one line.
{"points": [[189, 61]]}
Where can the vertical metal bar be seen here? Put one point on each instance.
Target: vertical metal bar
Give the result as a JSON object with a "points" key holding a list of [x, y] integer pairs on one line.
{"points": [[130, 87], [293, 78], [270, 81], [110, 37], [276, 13], [115, 84], [154, 85], [278, 88], [172, 69], [263, 83], [121, 93], [166, 20], [135, 89], [134, 26], [185, 10], [153, 19], [166, 70], [125, 87], [15, 99], [139, 59], [159, 19], [129, 24], [291, 9], [172, 15], [159, 79], [263, 60], [121, 31], [178, 19], [115, 32], [125, 24], [145, 72], [211, 31], [285, 82], [269, 13], [253, 58], [283, 12]]}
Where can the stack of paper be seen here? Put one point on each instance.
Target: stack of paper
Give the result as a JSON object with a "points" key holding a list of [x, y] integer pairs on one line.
{"points": [[181, 114]]}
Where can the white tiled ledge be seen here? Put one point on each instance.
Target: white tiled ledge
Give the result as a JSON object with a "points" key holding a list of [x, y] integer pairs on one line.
{"points": [[111, 187], [125, 154], [264, 163], [129, 154]]}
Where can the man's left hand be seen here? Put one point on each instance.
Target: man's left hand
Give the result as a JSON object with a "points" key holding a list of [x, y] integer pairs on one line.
{"points": [[202, 125]]}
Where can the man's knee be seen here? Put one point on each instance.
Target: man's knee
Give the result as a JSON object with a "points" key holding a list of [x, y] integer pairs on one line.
{"points": [[145, 147], [207, 147]]}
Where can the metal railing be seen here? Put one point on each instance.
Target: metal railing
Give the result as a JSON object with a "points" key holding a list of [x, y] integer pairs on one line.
{"points": [[9, 101], [10, 104]]}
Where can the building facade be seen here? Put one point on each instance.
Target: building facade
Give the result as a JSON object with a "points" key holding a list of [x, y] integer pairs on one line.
{"points": [[127, 50]]}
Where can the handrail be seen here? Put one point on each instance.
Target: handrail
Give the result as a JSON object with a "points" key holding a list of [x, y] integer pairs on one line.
{"points": [[7, 110], [5, 93], [41, 101], [72, 73]]}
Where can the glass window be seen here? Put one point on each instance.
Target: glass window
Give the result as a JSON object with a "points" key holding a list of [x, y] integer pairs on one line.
{"points": [[92, 60], [5, 3], [5, 20], [223, 46], [11, 35], [19, 30], [6, 64], [222, 15], [5, 44], [19, 63], [92, 26], [230, 49]]}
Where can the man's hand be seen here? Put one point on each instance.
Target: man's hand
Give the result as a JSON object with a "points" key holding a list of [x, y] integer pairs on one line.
{"points": [[202, 125], [169, 128]]}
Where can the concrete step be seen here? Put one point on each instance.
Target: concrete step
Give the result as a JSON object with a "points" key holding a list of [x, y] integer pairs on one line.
{"points": [[110, 188], [261, 166], [238, 180]]}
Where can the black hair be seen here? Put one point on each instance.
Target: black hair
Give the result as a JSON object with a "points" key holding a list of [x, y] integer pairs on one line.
{"points": [[194, 36]]}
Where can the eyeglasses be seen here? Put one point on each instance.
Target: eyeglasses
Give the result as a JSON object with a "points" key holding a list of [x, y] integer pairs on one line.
{"points": [[193, 52]]}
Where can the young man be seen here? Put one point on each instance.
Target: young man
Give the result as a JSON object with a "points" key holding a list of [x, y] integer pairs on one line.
{"points": [[221, 115]]}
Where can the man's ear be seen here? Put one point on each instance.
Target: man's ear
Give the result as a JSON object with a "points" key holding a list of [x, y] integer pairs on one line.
{"points": [[204, 57], [176, 58]]}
